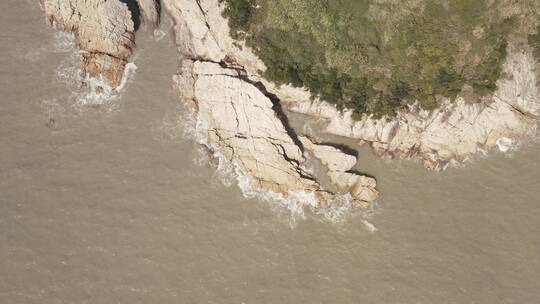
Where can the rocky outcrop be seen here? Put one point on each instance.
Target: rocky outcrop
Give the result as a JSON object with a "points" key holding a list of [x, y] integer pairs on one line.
{"points": [[238, 119], [242, 122], [450, 133], [239, 124], [104, 30], [362, 188], [242, 126]]}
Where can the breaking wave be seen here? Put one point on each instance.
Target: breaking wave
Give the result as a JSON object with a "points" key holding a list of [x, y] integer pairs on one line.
{"points": [[91, 91]]}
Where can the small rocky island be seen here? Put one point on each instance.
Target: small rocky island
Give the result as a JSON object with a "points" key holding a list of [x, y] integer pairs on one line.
{"points": [[239, 80]]}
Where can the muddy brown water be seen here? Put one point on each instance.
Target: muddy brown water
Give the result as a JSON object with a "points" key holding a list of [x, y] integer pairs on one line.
{"points": [[108, 203]]}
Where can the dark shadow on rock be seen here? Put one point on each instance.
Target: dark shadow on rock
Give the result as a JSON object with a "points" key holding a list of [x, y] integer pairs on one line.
{"points": [[342, 147], [360, 173], [135, 12]]}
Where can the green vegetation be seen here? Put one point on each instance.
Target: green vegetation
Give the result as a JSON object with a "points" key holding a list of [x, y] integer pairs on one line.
{"points": [[377, 56], [534, 41]]}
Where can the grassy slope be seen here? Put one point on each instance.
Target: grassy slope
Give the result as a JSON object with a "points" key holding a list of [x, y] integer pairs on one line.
{"points": [[376, 56]]}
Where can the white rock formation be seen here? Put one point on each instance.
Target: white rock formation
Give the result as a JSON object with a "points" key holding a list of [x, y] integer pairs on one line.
{"points": [[238, 119], [240, 124], [104, 30], [150, 12], [361, 187]]}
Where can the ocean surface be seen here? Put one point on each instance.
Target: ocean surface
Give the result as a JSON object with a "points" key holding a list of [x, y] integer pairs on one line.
{"points": [[111, 201]]}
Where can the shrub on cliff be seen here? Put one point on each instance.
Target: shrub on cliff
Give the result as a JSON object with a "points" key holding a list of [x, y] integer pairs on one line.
{"points": [[378, 56], [534, 41]]}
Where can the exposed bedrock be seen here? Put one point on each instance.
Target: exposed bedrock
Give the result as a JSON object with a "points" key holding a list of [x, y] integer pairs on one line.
{"points": [[104, 30], [240, 119], [241, 124]]}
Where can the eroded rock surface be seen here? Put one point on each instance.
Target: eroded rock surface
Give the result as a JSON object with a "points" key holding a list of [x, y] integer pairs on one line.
{"points": [[240, 122], [104, 30], [339, 163], [241, 125]]}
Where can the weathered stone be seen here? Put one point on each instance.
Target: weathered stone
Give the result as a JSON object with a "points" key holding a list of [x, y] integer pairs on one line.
{"points": [[362, 188], [104, 30], [239, 122]]}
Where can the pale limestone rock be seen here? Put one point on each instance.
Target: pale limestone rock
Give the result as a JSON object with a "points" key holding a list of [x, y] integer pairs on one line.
{"points": [[521, 90], [333, 158], [203, 33], [239, 122], [103, 29], [362, 188]]}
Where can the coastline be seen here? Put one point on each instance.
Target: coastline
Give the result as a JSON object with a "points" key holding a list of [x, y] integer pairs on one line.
{"points": [[219, 77]]}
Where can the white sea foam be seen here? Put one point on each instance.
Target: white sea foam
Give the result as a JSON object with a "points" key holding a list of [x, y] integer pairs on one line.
{"points": [[172, 127], [369, 226], [339, 210], [95, 91], [504, 144], [159, 34], [63, 42]]}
